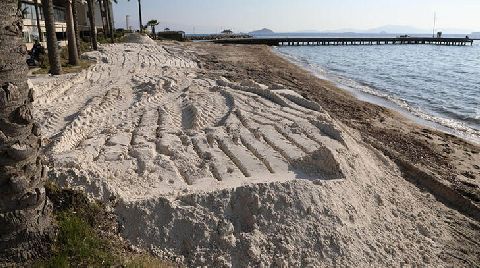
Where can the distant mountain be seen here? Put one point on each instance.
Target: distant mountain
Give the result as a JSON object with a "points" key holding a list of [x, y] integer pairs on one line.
{"points": [[308, 31], [263, 31], [343, 30], [387, 29], [397, 29]]}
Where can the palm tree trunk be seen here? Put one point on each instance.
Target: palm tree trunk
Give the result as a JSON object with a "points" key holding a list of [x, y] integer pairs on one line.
{"points": [[75, 25], [109, 20], [93, 27], [140, 15], [52, 46], [25, 212], [104, 17], [72, 42], [39, 27]]}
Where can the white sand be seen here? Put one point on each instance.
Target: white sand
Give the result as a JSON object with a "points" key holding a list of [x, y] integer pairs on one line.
{"points": [[181, 157], [143, 124]]}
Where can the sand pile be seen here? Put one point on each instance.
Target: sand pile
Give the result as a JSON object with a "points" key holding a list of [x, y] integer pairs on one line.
{"points": [[138, 39], [159, 129], [225, 173]]}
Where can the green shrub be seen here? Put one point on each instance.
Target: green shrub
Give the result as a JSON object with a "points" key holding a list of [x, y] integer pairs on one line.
{"points": [[78, 243]]}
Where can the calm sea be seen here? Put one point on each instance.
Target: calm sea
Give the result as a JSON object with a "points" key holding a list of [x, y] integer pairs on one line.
{"points": [[438, 85]]}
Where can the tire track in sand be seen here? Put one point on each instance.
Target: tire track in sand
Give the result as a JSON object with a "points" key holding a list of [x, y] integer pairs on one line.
{"points": [[169, 129]]}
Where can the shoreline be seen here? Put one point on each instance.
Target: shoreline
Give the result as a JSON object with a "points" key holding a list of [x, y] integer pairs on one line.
{"points": [[453, 161], [385, 101]]}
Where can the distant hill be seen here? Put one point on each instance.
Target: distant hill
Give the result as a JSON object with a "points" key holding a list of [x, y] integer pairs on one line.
{"points": [[263, 31], [387, 29], [397, 29]]}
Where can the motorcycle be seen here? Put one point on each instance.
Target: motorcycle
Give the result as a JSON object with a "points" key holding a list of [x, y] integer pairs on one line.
{"points": [[34, 55]]}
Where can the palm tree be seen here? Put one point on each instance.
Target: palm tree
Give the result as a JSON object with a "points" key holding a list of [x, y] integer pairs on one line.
{"points": [[39, 27], [75, 25], [103, 15], [25, 212], [71, 36], [109, 20], [152, 24], [91, 19], [52, 47], [140, 14]]}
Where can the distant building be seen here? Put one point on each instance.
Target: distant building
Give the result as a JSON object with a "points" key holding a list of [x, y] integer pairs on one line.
{"points": [[172, 35], [30, 31], [227, 32]]}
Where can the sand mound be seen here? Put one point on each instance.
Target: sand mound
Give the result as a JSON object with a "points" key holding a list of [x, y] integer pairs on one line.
{"points": [[179, 132], [294, 224], [138, 39], [225, 173]]}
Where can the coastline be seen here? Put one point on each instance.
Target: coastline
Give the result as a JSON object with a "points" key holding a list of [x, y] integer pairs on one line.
{"points": [[234, 156], [452, 161], [398, 105]]}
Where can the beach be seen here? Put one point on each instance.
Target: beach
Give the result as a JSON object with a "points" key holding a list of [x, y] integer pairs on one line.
{"points": [[230, 155]]}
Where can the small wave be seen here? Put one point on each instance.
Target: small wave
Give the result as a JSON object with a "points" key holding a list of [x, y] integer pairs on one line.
{"points": [[458, 125]]}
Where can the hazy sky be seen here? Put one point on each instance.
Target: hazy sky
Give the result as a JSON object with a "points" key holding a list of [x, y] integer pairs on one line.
{"points": [[298, 15]]}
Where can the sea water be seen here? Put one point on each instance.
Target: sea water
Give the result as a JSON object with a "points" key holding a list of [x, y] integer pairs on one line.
{"points": [[439, 85]]}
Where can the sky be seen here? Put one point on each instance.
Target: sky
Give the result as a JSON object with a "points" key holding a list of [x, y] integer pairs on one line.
{"points": [[210, 16]]}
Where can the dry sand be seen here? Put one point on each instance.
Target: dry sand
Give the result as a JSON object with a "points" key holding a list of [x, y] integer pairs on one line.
{"points": [[211, 168]]}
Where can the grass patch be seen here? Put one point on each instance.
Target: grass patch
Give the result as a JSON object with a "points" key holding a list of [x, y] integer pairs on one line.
{"points": [[66, 68], [87, 235], [117, 37], [78, 243]]}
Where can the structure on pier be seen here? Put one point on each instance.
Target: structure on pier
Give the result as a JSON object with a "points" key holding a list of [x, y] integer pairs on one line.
{"points": [[348, 41]]}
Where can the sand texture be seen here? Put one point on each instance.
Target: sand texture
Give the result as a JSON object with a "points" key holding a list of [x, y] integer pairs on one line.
{"points": [[208, 169]]}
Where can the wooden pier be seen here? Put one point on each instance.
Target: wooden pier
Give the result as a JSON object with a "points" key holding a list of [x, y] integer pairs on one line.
{"points": [[342, 41]]}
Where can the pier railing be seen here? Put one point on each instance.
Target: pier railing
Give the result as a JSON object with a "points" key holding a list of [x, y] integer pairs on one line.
{"points": [[348, 41]]}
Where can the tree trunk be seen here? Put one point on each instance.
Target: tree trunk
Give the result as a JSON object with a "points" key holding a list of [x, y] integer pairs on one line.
{"points": [[109, 20], [93, 27], [39, 27], [25, 212], [75, 26], [140, 15], [53, 56], [72, 42], [104, 17]]}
